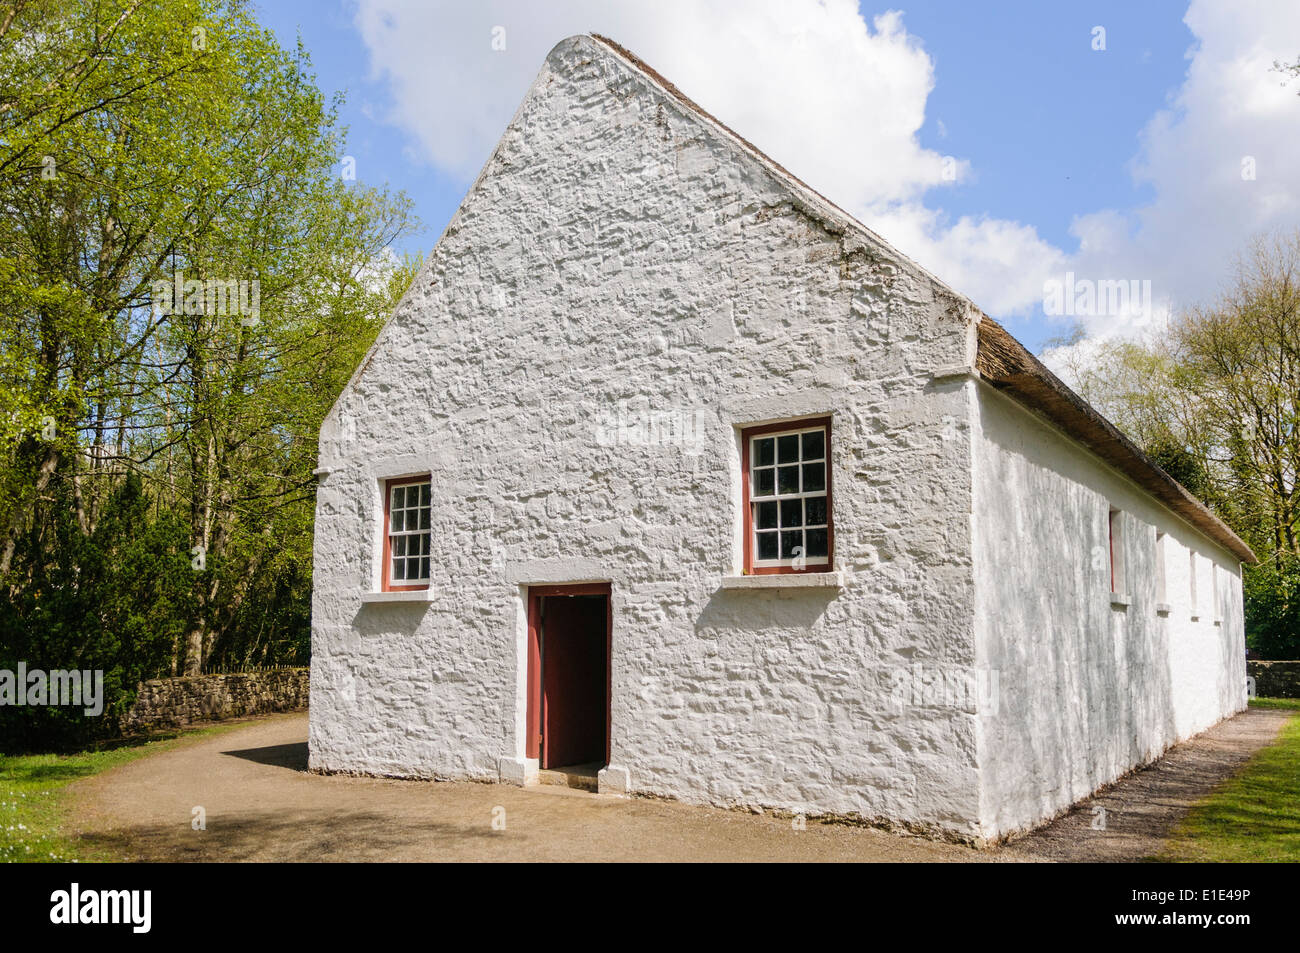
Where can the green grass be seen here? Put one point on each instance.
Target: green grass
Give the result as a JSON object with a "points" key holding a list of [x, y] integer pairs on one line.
{"points": [[34, 803], [1254, 816], [1292, 703]]}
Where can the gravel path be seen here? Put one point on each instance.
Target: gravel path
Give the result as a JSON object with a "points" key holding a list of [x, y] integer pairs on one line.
{"points": [[1140, 809], [262, 805]]}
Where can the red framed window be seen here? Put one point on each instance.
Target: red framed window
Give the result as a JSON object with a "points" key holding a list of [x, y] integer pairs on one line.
{"points": [[407, 535], [786, 483]]}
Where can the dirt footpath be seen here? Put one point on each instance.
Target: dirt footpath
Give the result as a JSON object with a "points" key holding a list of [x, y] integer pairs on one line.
{"points": [[1139, 810], [262, 805]]}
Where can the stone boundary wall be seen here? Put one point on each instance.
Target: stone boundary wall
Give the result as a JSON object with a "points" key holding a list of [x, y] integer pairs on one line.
{"points": [[177, 702], [1275, 679]]}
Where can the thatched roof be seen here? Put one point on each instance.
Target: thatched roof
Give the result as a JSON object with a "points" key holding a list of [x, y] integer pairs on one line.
{"points": [[1003, 362]]}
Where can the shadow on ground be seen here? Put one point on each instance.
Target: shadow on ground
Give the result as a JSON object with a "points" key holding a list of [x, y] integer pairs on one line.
{"points": [[284, 836], [47, 772], [262, 805], [292, 756]]}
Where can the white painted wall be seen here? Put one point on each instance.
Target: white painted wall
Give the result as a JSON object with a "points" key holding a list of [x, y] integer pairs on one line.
{"points": [[1088, 690], [620, 251], [617, 248]]}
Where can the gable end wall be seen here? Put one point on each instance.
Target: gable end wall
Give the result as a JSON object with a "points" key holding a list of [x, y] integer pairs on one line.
{"points": [[619, 257]]}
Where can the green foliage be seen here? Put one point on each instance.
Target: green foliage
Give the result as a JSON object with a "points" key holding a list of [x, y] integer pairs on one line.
{"points": [[156, 451], [1272, 597], [1180, 463], [117, 603], [1215, 401]]}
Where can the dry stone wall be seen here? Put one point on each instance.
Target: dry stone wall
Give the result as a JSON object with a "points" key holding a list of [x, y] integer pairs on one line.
{"points": [[177, 702], [1275, 679]]}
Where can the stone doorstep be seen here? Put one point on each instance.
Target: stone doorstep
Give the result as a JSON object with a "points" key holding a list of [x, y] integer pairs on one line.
{"points": [[580, 776]]}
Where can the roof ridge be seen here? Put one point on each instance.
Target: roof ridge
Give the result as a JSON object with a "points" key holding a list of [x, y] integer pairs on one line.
{"points": [[1004, 363], [848, 217]]}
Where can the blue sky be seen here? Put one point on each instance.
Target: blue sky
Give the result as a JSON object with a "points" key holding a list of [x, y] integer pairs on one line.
{"points": [[1072, 158], [1058, 144]]}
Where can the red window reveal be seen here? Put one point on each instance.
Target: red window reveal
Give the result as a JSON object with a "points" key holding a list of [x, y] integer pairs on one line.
{"points": [[407, 506]]}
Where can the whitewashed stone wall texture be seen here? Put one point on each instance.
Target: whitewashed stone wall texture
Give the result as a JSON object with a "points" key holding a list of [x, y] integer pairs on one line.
{"points": [[1088, 690], [619, 254]]}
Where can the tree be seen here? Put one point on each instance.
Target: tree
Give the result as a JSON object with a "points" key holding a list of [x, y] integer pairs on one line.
{"points": [[147, 149], [1215, 401], [1240, 358]]}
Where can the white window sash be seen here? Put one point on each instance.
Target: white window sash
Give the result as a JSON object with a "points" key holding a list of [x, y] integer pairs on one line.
{"points": [[779, 497], [408, 533]]}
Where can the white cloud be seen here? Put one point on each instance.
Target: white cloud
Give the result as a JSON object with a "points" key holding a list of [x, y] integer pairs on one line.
{"points": [[839, 101], [1231, 109], [999, 264], [834, 99], [809, 83]]}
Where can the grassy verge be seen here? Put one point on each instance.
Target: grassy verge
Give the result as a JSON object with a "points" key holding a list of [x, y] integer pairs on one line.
{"points": [[33, 801], [1255, 816], [1292, 703]]}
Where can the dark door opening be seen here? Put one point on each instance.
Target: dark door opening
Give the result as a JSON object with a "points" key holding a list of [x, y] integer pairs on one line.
{"points": [[568, 712]]}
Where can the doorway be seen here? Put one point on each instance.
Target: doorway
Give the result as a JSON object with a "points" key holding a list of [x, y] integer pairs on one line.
{"points": [[569, 632]]}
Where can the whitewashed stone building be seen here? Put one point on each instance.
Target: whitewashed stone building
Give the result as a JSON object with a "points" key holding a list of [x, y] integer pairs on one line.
{"points": [[667, 467]]}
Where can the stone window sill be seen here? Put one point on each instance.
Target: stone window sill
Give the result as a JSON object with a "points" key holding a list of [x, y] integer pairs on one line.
{"points": [[1163, 608], [414, 595], [1119, 600], [786, 580]]}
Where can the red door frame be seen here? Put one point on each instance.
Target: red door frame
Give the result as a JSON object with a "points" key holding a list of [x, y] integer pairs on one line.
{"points": [[533, 721]]}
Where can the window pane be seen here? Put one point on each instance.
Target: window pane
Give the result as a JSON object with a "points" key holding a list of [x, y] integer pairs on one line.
{"points": [[815, 511], [789, 541], [787, 448], [814, 477], [791, 513], [764, 452], [766, 516], [788, 479], [409, 518], [814, 445], [816, 543], [767, 546], [764, 482]]}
